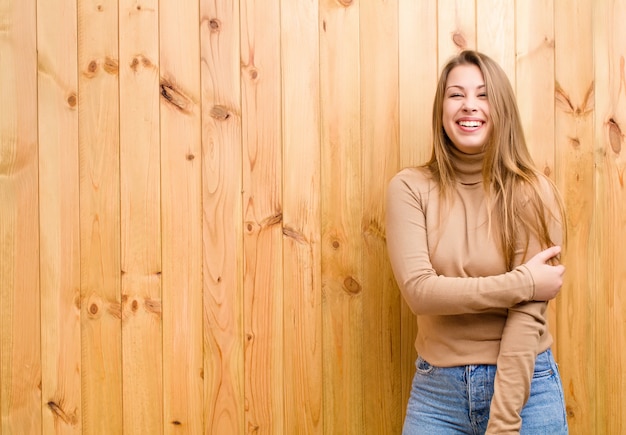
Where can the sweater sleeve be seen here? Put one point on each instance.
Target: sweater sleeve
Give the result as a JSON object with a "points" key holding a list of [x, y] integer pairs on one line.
{"points": [[525, 324], [516, 362], [424, 290]]}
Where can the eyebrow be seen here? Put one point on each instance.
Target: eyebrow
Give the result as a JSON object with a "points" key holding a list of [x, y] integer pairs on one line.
{"points": [[462, 88]]}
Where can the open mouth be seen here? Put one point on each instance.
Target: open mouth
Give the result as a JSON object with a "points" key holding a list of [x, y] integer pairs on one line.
{"points": [[470, 124]]}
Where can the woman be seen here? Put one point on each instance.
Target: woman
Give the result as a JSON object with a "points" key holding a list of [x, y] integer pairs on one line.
{"points": [[473, 238]]}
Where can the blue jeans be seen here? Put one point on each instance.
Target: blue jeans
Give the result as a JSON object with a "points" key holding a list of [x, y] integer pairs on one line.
{"points": [[455, 400]]}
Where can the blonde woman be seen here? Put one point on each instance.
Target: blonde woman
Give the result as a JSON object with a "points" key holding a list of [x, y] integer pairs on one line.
{"points": [[474, 239]]}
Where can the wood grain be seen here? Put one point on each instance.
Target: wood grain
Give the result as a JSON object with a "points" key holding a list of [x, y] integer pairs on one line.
{"points": [[262, 217], [456, 28], [417, 54], [142, 348], [302, 315], [20, 352], [222, 218], [609, 52], [98, 129], [535, 79], [59, 222], [181, 217], [213, 262], [379, 139], [495, 32], [573, 123], [342, 211]]}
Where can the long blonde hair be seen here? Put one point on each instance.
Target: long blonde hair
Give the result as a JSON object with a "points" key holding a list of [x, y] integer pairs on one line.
{"points": [[510, 177]]}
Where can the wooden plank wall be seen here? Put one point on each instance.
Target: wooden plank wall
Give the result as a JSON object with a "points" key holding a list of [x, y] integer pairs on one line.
{"points": [[191, 205]]}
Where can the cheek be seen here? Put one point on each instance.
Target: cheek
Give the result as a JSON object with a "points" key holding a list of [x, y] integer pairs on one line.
{"points": [[447, 117], [447, 125]]}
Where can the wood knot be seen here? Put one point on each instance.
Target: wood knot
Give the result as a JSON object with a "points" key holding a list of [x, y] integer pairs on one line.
{"points": [[294, 235], [574, 142], [111, 66], [175, 97], [274, 219], [547, 171], [615, 136], [459, 40], [374, 228], [214, 25], [92, 67], [220, 113], [60, 413], [72, 100], [115, 309], [93, 309], [153, 306], [351, 286], [134, 65]]}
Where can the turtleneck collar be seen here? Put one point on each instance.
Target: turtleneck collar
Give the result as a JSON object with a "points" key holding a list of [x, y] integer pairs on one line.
{"points": [[468, 167]]}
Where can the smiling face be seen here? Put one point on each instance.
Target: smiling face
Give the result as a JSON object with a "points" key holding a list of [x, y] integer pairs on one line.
{"points": [[465, 115]]}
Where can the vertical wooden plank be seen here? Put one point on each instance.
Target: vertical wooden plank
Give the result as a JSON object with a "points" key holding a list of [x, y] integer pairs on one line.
{"points": [[262, 214], [222, 222], [20, 356], [495, 32], [417, 48], [342, 209], [609, 52], [181, 217], [301, 217], [535, 78], [417, 53], [534, 24], [574, 104], [99, 216], [142, 353], [379, 142], [456, 27], [59, 218]]}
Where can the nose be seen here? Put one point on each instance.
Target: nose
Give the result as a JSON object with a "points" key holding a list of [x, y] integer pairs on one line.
{"points": [[469, 105]]}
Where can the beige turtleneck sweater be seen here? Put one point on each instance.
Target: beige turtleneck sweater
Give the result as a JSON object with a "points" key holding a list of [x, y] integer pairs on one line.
{"points": [[470, 309]]}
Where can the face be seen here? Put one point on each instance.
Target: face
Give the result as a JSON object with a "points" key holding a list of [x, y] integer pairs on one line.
{"points": [[466, 118]]}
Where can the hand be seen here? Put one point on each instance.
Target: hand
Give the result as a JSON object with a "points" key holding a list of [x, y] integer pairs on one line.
{"points": [[548, 279]]}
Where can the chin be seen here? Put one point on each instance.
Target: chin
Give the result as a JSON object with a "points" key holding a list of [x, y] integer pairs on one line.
{"points": [[470, 149]]}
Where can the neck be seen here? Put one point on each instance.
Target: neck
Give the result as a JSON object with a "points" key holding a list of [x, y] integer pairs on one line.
{"points": [[468, 167]]}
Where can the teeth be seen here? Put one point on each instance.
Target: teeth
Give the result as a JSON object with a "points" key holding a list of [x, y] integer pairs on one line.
{"points": [[470, 123]]}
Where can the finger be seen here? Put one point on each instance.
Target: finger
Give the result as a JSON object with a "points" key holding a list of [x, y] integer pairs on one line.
{"points": [[549, 253]]}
